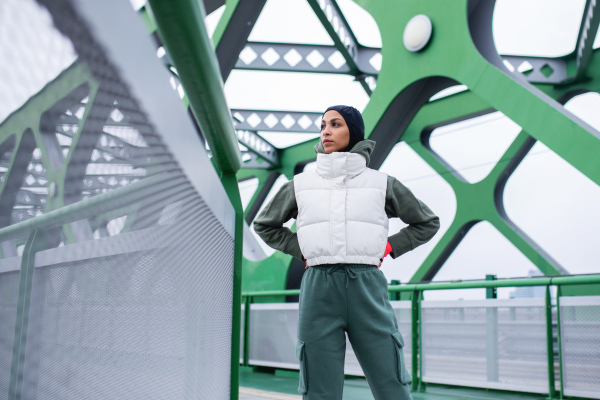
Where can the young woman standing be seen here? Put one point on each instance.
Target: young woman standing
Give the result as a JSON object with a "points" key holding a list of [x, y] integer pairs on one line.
{"points": [[341, 213]]}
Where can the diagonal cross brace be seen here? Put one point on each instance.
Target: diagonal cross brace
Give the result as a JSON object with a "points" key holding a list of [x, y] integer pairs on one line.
{"points": [[277, 121], [343, 38], [296, 57], [259, 146]]}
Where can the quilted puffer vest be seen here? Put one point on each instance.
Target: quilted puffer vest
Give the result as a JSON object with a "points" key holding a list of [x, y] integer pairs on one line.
{"points": [[341, 211]]}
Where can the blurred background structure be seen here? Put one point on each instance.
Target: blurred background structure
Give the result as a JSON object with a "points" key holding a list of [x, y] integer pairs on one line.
{"points": [[139, 140]]}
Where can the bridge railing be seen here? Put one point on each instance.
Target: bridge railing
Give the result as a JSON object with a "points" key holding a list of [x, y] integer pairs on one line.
{"points": [[532, 345]]}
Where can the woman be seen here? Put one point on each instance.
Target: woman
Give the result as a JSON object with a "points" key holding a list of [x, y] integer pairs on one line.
{"points": [[342, 212]]}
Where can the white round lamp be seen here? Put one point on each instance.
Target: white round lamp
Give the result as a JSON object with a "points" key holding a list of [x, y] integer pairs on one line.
{"points": [[417, 32]]}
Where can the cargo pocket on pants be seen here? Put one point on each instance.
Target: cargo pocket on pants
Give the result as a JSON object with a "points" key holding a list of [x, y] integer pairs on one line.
{"points": [[402, 373], [301, 354]]}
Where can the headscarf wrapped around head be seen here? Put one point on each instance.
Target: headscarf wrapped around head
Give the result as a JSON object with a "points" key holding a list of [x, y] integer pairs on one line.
{"points": [[355, 123]]}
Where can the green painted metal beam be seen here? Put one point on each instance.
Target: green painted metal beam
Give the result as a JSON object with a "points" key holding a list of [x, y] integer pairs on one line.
{"points": [[456, 53], [535, 112], [181, 26], [231, 187], [102, 203], [480, 284], [17, 387]]}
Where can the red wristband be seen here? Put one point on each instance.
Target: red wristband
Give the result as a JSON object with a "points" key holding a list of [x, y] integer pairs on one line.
{"points": [[388, 249]]}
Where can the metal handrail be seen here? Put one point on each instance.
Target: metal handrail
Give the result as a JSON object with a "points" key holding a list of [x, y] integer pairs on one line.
{"points": [[95, 205], [411, 287], [417, 288], [182, 29]]}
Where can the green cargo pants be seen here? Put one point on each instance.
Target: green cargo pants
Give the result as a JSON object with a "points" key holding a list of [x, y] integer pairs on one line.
{"points": [[351, 298]]}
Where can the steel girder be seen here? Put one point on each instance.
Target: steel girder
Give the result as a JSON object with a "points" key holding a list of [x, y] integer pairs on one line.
{"points": [[233, 30], [462, 51], [294, 57], [70, 152], [277, 121]]}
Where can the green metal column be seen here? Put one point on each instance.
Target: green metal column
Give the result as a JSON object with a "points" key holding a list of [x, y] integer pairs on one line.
{"points": [[182, 29], [247, 305], [416, 357], [560, 359], [35, 242], [550, 345], [491, 334], [231, 187], [394, 296]]}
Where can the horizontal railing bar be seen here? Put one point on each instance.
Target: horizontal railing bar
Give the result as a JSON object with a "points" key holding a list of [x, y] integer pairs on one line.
{"points": [[267, 293], [117, 198], [549, 281]]}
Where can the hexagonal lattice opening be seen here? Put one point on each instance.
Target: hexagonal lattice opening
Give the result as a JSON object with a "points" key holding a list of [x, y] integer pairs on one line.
{"points": [[473, 147]]}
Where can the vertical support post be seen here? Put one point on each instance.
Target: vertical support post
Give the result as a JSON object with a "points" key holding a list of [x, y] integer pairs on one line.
{"points": [[247, 330], [415, 328], [230, 184], [17, 371], [560, 361], [491, 293], [550, 345], [491, 333], [394, 295]]}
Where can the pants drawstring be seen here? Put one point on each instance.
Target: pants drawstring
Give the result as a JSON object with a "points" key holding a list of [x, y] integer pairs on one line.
{"points": [[350, 274]]}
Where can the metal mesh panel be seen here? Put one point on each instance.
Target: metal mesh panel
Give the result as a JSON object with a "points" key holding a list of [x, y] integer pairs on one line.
{"points": [[9, 285], [579, 327], [498, 344], [131, 302], [141, 325], [273, 336]]}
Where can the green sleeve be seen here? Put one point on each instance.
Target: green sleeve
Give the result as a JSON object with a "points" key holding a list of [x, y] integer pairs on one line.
{"points": [[269, 223], [422, 222]]}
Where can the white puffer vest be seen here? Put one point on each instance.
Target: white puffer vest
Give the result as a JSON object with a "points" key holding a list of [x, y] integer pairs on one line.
{"points": [[341, 211]]}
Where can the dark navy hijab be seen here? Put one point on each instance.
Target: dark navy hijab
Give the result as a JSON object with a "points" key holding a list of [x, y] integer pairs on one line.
{"points": [[355, 123]]}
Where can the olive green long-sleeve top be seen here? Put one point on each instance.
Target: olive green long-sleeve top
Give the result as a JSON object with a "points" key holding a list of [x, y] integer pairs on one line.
{"points": [[399, 203]]}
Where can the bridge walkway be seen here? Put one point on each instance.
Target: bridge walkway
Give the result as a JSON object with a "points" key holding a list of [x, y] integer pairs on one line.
{"points": [[281, 385]]}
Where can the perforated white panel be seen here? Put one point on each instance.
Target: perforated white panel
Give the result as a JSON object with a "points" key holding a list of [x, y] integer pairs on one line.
{"points": [[273, 336], [498, 344], [580, 340]]}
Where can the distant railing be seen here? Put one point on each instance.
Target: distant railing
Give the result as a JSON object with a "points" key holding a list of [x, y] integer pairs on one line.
{"points": [[506, 344]]}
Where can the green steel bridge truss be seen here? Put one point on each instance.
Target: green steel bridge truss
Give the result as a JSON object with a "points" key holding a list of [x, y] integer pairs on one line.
{"points": [[64, 137]]}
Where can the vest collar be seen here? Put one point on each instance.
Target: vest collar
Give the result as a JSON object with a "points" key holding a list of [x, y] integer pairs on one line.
{"points": [[339, 164]]}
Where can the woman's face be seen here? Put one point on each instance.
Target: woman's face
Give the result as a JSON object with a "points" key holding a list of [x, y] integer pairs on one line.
{"points": [[335, 134]]}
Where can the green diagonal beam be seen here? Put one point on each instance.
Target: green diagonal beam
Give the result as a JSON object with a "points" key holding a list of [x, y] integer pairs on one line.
{"points": [[182, 29], [452, 53]]}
